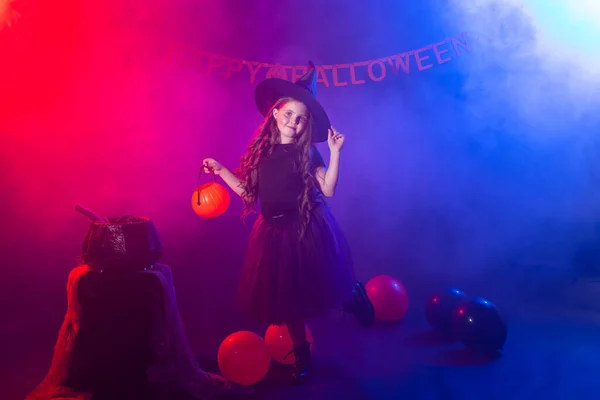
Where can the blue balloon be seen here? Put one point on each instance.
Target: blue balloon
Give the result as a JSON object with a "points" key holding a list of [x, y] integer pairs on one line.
{"points": [[480, 325]]}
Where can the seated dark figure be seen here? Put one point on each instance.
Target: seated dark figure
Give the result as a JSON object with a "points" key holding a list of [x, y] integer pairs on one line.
{"points": [[113, 350], [122, 336]]}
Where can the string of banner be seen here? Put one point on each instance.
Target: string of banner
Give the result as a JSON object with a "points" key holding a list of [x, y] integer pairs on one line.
{"points": [[355, 73]]}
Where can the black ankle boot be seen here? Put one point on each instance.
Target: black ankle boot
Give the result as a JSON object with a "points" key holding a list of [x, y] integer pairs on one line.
{"points": [[301, 364]]}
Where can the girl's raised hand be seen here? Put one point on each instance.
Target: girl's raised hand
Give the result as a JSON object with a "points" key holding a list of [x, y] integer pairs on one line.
{"points": [[335, 140]]}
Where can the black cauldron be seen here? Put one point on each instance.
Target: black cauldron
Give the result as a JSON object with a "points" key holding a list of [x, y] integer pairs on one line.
{"points": [[129, 242]]}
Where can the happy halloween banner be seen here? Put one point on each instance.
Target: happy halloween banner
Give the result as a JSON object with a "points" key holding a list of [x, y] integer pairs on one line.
{"points": [[355, 73]]}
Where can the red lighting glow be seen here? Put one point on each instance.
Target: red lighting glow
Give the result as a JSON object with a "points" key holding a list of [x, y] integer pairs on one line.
{"points": [[8, 16]]}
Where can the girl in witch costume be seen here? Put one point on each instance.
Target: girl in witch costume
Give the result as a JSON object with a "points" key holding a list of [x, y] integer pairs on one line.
{"points": [[298, 263]]}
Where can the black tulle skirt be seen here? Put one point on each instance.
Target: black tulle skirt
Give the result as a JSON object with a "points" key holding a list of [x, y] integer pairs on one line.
{"points": [[286, 279]]}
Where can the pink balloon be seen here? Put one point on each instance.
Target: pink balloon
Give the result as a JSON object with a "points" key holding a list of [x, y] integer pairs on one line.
{"points": [[389, 298]]}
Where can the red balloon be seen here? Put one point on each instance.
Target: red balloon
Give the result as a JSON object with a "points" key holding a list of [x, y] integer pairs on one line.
{"points": [[244, 358], [389, 298], [214, 200]]}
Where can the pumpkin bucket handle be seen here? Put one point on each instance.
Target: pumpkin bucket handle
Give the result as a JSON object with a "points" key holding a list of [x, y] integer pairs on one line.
{"points": [[90, 214], [200, 175]]}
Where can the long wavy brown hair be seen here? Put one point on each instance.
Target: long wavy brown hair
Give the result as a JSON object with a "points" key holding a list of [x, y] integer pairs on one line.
{"points": [[263, 143]]}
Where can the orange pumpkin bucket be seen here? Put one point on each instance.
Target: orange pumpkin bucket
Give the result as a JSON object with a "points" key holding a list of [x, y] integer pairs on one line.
{"points": [[211, 199]]}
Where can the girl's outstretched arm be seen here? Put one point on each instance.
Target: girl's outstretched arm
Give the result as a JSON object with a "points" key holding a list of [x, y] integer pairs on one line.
{"points": [[232, 181], [212, 165]]}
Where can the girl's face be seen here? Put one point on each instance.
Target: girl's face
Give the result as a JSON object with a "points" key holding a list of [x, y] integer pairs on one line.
{"points": [[292, 119]]}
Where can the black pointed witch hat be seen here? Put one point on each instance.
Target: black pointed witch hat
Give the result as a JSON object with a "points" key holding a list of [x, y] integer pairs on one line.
{"points": [[270, 90]]}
